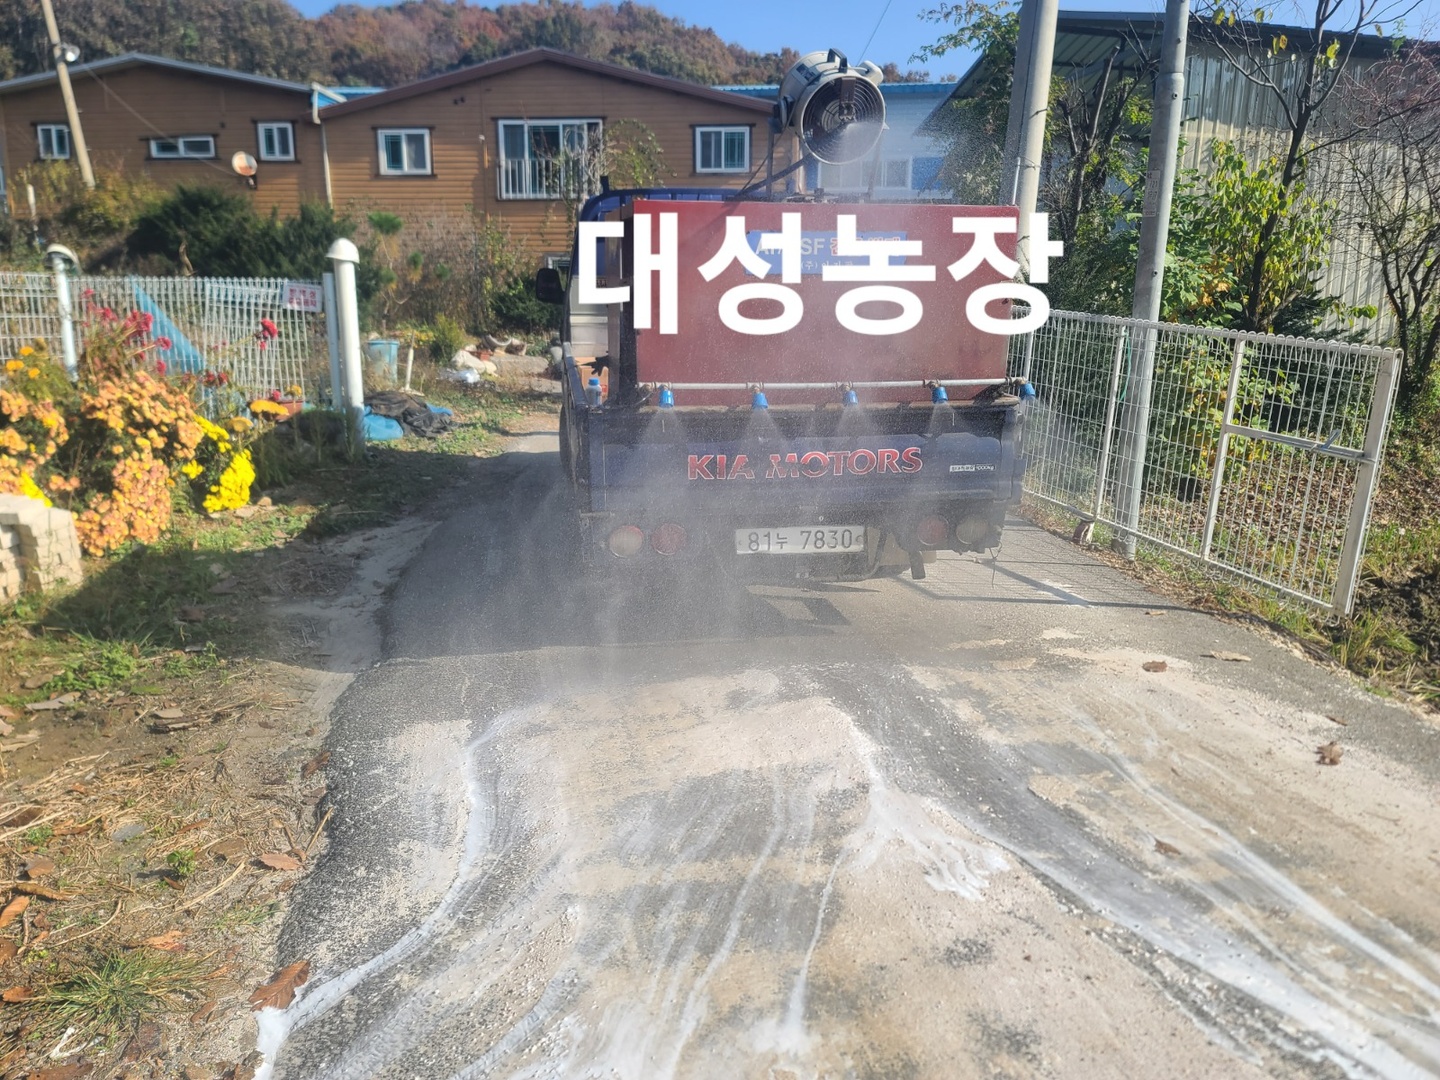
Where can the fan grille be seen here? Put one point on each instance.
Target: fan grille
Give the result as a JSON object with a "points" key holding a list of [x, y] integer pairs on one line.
{"points": [[843, 120]]}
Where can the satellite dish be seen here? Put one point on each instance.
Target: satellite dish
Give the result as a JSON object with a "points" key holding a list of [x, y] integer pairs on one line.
{"points": [[243, 164], [836, 108]]}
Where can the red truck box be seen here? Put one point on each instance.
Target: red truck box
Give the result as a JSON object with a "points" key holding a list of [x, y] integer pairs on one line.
{"points": [[892, 317]]}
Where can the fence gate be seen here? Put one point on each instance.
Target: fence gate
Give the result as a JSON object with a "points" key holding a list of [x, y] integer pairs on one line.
{"points": [[1261, 454], [212, 324]]}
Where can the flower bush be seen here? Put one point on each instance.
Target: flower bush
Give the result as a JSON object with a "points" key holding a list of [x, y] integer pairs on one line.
{"points": [[114, 446], [222, 471], [32, 426]]}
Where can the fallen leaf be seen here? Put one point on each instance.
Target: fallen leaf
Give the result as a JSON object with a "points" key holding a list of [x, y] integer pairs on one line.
{"points": [[169, 714], [14, 910], [7, 713], [279, 992], [1330, 753], [73, 1071], [1166, 849], [147, 1043], [46, 706], [42, 891], [1338, 720], [229, 849], [1154, 613], [1155, 665], [17, 993], [1230, 657], [174, 883], [9, 746], [8, 950], [312, 797], [202, 1014], [68, 699], [278, 860], [24, 816], [191, 614], [6, 729], [37, 681], [315, 764], [166, 942], [38, 866]]}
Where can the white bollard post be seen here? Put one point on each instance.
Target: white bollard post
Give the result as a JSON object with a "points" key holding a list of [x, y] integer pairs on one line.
{"points": [[332, 339], [58, 258], [345, 256]]}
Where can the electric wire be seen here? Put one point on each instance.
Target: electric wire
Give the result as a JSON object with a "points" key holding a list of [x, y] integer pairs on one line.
{"points": [[878, 21]]}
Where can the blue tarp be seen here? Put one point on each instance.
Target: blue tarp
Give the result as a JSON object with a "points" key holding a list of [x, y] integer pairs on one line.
{"points": [[182, 354]]}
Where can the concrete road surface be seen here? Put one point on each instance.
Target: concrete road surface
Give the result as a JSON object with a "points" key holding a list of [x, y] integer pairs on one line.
{"points": [[894, 829]]}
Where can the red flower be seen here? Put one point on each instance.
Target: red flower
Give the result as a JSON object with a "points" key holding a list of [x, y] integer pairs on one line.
{"points": [[160, 367], [162, 342], [262, 343], [275, 395], [268, 329]]}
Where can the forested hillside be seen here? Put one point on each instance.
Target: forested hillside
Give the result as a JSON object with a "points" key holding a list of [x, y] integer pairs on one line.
{"points": [[380, 46]]}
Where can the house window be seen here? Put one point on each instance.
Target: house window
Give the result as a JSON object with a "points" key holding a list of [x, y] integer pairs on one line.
{"points": [[722, 149], [186, 146], [277, 141], [549, 159], [404, 152], [54, 141], [894, 175]]}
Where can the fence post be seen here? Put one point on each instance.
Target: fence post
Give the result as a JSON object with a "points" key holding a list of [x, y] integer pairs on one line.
{"points": [[332, 338], [1217, 475], [345, 256], [1367, 472], [58, 258], [1107, 434], [1136, 433]]}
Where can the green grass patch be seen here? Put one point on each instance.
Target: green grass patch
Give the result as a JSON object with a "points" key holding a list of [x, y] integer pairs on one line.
{"points": [[108, 996]]}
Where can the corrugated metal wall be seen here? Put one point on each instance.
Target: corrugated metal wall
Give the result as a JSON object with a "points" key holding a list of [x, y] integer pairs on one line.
{"points": [[1222, 103]]}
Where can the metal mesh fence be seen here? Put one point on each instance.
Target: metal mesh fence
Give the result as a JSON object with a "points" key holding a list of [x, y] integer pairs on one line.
{"points": [[213, 325], [1260, 452]]}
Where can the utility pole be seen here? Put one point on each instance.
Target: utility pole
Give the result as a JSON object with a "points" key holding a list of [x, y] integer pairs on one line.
{"points": [[72, 114], [1036, 89], [1009, 189], [1150, 269]]}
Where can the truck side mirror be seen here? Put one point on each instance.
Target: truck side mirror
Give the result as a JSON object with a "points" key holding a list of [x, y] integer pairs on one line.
{"points": [[548, 287]]}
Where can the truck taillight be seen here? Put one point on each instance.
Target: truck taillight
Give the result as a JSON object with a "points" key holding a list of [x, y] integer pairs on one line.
{"points": [[668, 538], [932, 531], [626, 542], [972, 529]]}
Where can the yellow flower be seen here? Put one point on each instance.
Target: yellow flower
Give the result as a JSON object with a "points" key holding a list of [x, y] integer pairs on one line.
{"points": [[268, 408], [30, 490], [192, 469], [13, 366], [239, 424], [34, 373], [26, 350]]}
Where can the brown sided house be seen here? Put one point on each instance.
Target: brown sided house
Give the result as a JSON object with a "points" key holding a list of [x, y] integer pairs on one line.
{"points": [[502, 140], [174, 121]]}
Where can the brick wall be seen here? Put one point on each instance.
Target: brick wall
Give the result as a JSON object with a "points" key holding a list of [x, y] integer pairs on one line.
{"points": [[38, 548]]}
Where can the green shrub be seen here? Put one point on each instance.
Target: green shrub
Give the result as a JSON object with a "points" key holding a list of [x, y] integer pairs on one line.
{"points": [[447, 337], [515, 307]]}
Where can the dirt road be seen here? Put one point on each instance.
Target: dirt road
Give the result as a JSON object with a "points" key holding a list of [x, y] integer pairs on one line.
{"points": [[949, 828]]}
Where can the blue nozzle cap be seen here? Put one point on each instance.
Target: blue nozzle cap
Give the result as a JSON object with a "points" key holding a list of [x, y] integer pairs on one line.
{"points": [[938, 396], [850, 398], [667, 398], [758, 401], [1027, 391]]}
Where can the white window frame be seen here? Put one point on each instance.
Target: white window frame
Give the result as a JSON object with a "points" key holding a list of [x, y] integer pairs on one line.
{"points": [[265, 127], [41, 130], [160, 152], [723, 129], [385, 170], [532, 181]]}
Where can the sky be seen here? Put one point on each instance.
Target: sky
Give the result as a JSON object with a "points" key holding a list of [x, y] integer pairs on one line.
{"points": [[899, 30]]}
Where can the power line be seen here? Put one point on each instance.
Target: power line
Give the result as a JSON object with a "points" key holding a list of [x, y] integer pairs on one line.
{"points": [[878, 21]]}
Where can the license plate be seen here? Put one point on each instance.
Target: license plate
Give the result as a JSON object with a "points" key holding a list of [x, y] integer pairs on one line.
{"points": [[800, 540]]}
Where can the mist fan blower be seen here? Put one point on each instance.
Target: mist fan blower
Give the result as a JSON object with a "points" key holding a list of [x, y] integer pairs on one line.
{"points": [[834, 107]]}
